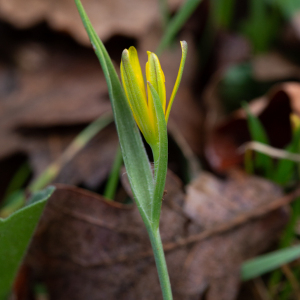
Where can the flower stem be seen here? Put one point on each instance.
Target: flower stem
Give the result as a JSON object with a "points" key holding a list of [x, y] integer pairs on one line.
{"points": [[160, 263]]}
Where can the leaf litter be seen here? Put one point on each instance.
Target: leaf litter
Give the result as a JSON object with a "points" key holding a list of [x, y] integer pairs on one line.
{"points": [[85, 245]]}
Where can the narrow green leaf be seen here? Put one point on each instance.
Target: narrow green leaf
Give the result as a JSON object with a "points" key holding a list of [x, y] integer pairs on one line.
{"points": [[160, 154], [135, 158], [268, 262], [77, 144], [258, 134], [223, 12], [289, 8], [184, 48], [289, 234], [112, 183], [18, 180], [164, 11], [176, 23], [262, 25], [285, 167], [14, 201], [15, 234]]}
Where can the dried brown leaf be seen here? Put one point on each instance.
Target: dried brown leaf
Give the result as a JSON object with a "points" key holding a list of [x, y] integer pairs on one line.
{"points": [[131, 18], [213, 265], [65, 89], [90, 167], [273, 110], [87, 246]]}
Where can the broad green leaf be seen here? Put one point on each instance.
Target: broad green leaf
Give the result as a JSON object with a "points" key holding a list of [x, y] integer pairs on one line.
{"points": [[15, 234], [134, 155], [268, 262], [258, 134]]}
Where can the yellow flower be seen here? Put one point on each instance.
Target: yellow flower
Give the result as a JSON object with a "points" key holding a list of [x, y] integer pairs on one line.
{"points": [[133, 82]]}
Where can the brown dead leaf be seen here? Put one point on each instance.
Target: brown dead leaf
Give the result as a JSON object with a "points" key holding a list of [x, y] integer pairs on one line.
{"points": [[90, 167], [68, 88], [291, 33], [273, 111], [87, 247], [274, 66], [213, 265], [131, 18], [239, 193]]}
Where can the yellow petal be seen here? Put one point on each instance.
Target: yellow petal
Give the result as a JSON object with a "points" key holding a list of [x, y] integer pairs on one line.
{"points": [[134, 60], [157, 78], [184, 48], [151, 108], [135, 98]]}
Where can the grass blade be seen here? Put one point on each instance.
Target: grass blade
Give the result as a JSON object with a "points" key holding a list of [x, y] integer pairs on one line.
{"points": [[268, 262], [258, 134], [176, 23]]}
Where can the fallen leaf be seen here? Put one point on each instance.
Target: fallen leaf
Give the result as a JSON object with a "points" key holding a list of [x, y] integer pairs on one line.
{"points": [[213, 265], [67, 89], [274, 66], [87, 246], [273, 110], [94, 161], [130, 18]]}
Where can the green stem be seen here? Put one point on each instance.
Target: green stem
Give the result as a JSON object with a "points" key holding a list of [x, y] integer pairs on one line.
{"points": [[160, 264], [112, 183]]}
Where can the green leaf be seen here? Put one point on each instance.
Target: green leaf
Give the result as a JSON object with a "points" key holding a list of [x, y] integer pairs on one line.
{"points": [[13, 202], [268, 262], [223, 12], [258, 134], [284, 170], [134, 155], [289, 8], [176, 23], [160, 154], [262, 25], [113, 179], [15, 234]]}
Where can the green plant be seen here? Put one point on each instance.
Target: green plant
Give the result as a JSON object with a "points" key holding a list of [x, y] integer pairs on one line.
{"points": [[130, 107], [15, 234]]}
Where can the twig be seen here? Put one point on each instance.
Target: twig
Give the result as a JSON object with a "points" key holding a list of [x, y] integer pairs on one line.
{"points": [[271, 151]]}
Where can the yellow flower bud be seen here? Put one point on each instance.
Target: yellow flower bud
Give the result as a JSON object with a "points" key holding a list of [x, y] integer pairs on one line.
{"points": [[134, 86]]}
